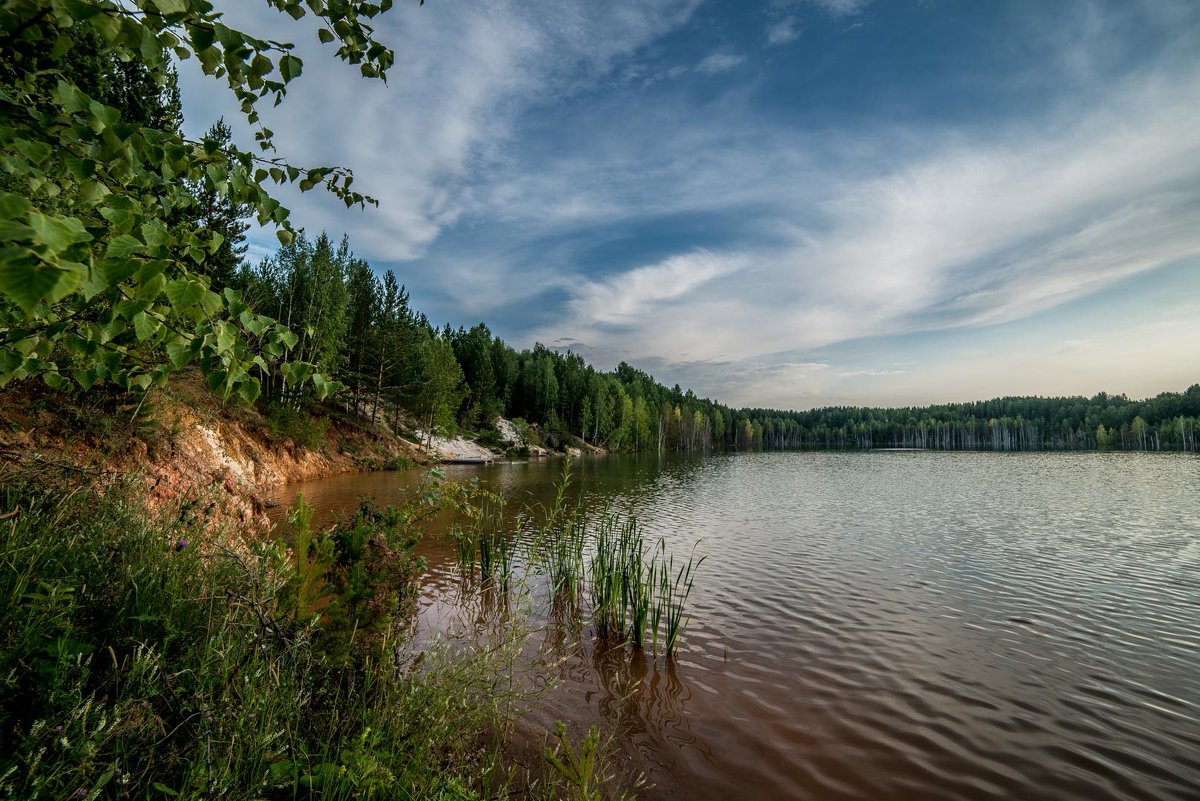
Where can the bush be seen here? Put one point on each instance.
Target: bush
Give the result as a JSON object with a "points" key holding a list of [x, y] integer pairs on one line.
{"points": [[490, 438], [307, 431], [135, 663]]}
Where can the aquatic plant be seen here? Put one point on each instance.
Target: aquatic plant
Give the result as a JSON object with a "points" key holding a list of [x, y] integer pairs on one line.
{"points": [[636, 590], [483, 541]]}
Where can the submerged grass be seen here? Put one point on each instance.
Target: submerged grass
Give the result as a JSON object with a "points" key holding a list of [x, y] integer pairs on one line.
{"points": [[637, 594]]}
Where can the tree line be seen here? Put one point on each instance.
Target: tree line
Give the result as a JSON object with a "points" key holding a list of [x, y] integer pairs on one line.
{"points": [[360, 329], [123, 260]]}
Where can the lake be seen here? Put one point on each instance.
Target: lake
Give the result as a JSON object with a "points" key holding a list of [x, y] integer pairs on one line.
{"points": [[892, 624]]}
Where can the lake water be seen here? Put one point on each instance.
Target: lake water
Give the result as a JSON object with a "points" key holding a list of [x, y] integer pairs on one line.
{"points": [[893, 624]]}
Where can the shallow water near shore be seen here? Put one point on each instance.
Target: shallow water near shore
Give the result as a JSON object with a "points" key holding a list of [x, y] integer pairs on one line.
{"points": [[888, 625]]}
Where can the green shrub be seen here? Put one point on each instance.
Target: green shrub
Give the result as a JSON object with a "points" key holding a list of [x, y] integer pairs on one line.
{"points": [[135, 663], [307, 431], [490, 438]]}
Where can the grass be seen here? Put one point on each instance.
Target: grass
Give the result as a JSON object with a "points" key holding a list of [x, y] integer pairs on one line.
{"points": [[637, 593], [140, 659]]}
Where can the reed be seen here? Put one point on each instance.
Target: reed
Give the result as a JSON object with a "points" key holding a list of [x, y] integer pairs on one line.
{"points": [[637, 594], [673, 596], [484, 541]]}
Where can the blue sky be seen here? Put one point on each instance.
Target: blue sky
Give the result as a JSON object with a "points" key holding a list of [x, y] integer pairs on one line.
{"points": [[791, 203]]}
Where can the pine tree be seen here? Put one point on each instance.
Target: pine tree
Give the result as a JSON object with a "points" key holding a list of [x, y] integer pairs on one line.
{"points": [[217, 213]]}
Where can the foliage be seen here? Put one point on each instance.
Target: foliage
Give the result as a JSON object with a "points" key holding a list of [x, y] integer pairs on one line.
{"points": [[139, 660], [440, 387], [305, 430], [96, 282], [577, 766], [217, 213]]}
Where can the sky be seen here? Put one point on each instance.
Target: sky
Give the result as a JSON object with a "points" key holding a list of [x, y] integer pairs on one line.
{"points": [[788, 203]]}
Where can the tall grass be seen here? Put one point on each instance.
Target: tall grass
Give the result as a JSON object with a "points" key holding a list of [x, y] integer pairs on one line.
{"points": [[637, 594], [140, 660], [483, 541]]}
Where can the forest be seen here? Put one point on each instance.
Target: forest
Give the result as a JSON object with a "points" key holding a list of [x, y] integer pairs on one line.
{"points": [[361, 330], [124, 288]]}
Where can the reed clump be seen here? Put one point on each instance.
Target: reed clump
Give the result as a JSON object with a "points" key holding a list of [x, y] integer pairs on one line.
{"points": [[637, 593], [597, 565]]}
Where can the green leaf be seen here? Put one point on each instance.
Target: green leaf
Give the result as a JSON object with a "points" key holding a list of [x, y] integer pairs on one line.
{"points": [[179, 351], [85, 378], [12, 206], [145, 326], [37, 152], [162, 788], [55, 380], [225, 336], [55, 233], [155, 233], [249, 390], [211, 302], [29, 283], [290, 67], [216, 380], [172, 6], [117, 270], [184, 294], [13, 231], [325, 35], [260, 65], [124, 245], [323, 386]]}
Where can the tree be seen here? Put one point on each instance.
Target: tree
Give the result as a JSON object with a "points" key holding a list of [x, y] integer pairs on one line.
{"points": [[95, 283], [442, 388], [218, 214], [363, 307]]}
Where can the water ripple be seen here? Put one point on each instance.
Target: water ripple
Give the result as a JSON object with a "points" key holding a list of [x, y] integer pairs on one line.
{"points": [[902, 625]]}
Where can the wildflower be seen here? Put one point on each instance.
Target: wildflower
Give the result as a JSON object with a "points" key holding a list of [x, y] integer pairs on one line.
{"points": [[179, 546]]}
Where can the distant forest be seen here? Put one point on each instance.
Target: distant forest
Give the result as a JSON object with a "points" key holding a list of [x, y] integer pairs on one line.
{"points": [[361, 331]]}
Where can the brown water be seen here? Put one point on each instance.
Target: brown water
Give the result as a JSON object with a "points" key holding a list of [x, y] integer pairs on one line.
{"points": [[893, 625]]}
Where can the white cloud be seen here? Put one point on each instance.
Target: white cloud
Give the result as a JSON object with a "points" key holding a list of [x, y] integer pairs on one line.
{"points": [[955, 231], [464, 74], [835, 8], [841, 8], [782, 32], [835, 233], [638, 294], [721, 61]]}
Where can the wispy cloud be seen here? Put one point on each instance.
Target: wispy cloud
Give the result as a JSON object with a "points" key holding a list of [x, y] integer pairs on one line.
{"points": [[577, 176], [868, 373], [965, 233], [721, 61], [835, 8], [841, 8], [464, 75], [782, 32], [631, 297]]}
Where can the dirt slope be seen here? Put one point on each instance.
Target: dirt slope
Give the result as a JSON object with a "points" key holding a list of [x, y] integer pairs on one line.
{"points": [[192, 452]]}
